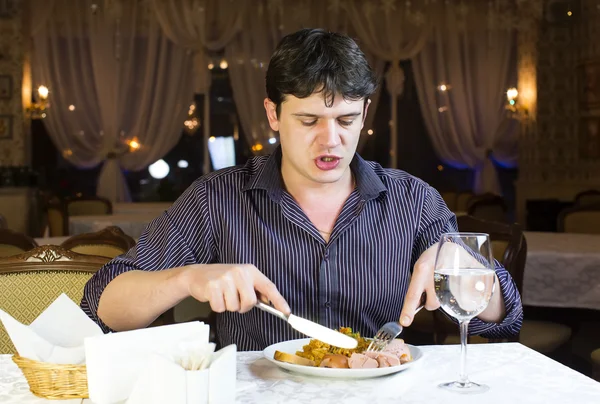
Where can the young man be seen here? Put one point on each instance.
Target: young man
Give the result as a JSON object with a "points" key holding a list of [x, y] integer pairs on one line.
{"points": [[313, 228]]}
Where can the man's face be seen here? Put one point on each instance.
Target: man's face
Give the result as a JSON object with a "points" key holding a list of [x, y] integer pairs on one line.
{"points": [[317, 142]]}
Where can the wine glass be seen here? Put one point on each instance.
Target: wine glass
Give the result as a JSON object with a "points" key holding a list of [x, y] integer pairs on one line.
{"points": [[464, 280]]}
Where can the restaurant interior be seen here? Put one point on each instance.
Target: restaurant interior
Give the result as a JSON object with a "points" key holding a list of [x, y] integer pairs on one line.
{"points": [[111, 109]]}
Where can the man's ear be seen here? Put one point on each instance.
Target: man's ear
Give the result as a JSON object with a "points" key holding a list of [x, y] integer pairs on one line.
{"points": [[271, 110], [367, 103]]}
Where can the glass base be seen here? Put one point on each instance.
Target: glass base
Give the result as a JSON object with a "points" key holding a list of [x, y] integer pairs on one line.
{"points": [[464, 388]]}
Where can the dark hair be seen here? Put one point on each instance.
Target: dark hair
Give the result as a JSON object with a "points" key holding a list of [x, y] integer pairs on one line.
{"points": [[312, 60]]}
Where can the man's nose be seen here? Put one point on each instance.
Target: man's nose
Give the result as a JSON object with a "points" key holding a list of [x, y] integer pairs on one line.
{"points": [[329, 134]]}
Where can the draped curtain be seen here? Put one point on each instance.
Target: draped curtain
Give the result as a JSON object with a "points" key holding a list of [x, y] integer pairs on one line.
{"points": [[116, 78], [201, 26], [114, 61], [392, 31], [467, 123]]}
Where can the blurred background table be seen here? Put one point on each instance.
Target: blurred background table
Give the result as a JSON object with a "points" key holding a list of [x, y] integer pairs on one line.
{"points": [[562, 270]]}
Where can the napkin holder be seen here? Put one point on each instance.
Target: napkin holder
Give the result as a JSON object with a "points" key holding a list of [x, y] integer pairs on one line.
{"points": [[165, 381]]}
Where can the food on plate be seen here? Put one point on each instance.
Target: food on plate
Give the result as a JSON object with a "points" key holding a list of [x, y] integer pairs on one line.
{"points": [[399, 349], [294, 359], [318, 353], [337, 361], [316, 350]]}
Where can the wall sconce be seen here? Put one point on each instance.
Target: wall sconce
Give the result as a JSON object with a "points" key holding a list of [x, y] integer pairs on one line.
{"points": [[37, 110], [512, 104]]}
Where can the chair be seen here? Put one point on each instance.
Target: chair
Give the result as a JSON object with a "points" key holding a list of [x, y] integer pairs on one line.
{"points": [[595, 356], [462, 201], [488, 207], [589, 197], [13, 243], [109, 242], [510, 248], [58, 219], [91, 205], [29, 282], [580, 219]]}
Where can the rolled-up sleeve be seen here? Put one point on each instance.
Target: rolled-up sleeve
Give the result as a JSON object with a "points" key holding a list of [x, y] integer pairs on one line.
{"points": [[182, 235], [437, 219]]}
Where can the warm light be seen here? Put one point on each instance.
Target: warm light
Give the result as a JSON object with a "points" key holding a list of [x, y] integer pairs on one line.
{"points": [[43, 92], [569, 13], [191, 124], [223, 65], [134, 144], [370, 132], [443, 87], [512, 94], [211, 66], [192, 107], [211, 139], [257, 147], [442, 109], [159, 170], [182, 164], [67, 153], [440, 167], [272, 140], [71, 107]]}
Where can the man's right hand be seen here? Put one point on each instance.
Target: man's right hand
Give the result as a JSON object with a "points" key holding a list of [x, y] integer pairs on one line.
{"points": [[232, 287]]}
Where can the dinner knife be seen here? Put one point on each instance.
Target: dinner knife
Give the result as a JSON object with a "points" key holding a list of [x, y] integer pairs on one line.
{"points": [[312, 329]]}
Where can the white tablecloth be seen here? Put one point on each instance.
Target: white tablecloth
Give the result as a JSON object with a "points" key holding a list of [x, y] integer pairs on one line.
{"points": [[140, 207], [132, 224], [515, 374], [562, 270]]}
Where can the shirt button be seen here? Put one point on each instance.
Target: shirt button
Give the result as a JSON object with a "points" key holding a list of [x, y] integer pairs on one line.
{"points": [[328, 305], [326, 254]]}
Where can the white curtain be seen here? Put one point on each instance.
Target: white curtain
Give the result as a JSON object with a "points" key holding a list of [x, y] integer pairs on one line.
{"points": [[392, 31], [201, 26], [467, 123], [248, 56], [114, 77]]}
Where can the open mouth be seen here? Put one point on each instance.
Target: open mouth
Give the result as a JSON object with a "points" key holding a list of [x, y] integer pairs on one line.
{"points": [[327, 159], [327, 162]]}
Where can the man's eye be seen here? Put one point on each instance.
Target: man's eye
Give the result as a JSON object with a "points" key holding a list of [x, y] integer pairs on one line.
{"points": [[309, 123], [346, 123]]}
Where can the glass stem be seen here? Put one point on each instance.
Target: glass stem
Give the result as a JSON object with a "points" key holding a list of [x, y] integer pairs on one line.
{"points": [[464, 331]]}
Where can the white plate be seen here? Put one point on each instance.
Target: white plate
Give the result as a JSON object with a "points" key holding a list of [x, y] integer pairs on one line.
{"points": [[296, 345]]}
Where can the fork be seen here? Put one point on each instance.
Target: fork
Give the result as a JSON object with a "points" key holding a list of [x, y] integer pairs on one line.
{"points": [[390, 330]]}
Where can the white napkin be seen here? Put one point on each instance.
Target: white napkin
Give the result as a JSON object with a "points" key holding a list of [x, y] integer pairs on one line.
{"points": [[55, 336], [116, 361], [163, 381]]}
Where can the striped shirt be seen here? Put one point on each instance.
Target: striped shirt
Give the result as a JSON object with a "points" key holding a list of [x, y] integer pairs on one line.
{"points": [[243, 215]]}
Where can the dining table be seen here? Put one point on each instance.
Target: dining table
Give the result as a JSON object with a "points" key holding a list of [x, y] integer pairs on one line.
{"points": [[132, 224], [562, 270], [514, 373], [155, 208]]}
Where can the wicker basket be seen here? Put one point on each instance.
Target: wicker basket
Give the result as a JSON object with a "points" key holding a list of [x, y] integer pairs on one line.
{"points": [[53, 381]]}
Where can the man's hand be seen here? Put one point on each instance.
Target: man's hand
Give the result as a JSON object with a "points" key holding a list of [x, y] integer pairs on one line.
{"points": [[421, 281], [232, 287]]}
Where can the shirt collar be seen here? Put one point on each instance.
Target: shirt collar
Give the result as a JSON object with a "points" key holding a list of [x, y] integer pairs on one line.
{"points": [[268, 177]]}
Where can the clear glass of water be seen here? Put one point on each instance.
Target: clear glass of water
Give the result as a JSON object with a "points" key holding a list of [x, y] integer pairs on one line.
{"points": [[464, 280]]}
